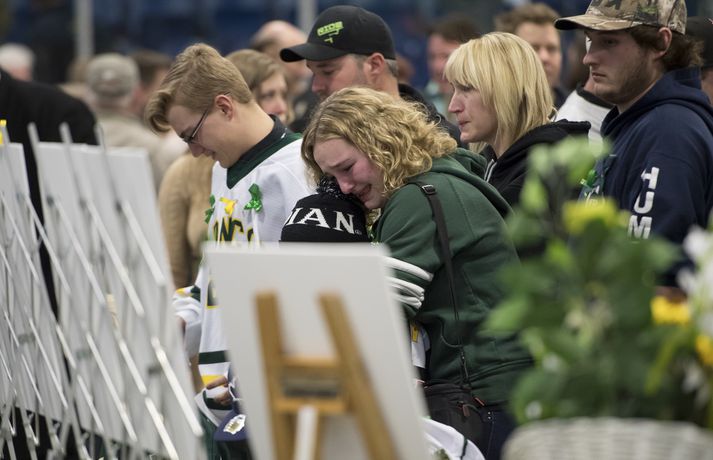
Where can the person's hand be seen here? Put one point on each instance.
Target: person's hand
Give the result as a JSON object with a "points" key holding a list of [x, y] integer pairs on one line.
{"points": [[224, 399]]}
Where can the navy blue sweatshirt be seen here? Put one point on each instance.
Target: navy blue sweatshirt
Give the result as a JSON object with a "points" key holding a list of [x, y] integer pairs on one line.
{"points": [[660, 168]]}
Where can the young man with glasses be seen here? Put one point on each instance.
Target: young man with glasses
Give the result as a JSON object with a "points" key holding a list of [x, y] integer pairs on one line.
{"points": [[258, 177]]}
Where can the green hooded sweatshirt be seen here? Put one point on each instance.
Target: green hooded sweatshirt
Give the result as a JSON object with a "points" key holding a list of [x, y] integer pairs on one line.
{"points": [[480, 247]]}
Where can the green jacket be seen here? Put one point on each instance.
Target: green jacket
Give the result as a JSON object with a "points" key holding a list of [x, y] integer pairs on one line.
{"points": [[480, 247]]}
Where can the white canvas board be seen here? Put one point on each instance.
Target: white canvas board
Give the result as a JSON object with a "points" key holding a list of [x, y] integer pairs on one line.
{"points": [[58, 181], [124, 176], [13, 181], [83, 174], [24, 299], [297, 273], [80, 310]]}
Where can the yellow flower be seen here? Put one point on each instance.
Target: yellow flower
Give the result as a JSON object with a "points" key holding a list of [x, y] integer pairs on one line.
{"points": [[578, 214], [664, 311], [704, 347]]}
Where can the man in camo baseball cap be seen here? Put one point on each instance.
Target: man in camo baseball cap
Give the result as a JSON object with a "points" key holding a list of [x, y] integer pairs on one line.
{"points": [[660, 131], [625, 14]]}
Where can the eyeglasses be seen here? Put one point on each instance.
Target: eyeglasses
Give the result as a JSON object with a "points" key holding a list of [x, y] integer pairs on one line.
{"points": [[191, 137]]}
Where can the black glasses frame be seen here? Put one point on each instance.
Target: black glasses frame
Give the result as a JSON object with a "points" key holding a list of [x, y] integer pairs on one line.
{"points": [[191, 137]]}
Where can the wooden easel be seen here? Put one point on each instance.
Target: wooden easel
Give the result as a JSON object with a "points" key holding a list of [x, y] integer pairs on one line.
{"points": [[300, 385]]}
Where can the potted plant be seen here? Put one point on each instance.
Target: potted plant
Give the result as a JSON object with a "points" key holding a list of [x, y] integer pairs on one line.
{"points": [[618, 370]]}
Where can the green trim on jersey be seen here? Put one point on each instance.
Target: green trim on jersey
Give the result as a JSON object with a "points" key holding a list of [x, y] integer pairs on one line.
{"points": [[242, 168], [212, 357], [196, 293]]}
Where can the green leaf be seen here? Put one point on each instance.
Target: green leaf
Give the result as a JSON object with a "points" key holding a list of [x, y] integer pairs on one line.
{"points": [[508, 316], [533, 197]]}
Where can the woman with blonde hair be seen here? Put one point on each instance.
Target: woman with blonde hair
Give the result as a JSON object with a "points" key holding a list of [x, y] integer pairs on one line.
{"points": [[503, 102], [382, 150], [266, 79]]}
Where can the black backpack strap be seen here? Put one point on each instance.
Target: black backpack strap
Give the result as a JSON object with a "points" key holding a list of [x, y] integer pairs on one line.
{"points": [[442, 232]]}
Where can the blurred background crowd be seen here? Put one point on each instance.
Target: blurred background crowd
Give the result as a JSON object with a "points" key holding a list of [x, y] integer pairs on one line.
{"points": [[52, 29], [112, 54]]}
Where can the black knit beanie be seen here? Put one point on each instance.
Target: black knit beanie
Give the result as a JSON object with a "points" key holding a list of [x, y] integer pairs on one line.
{"points": [[329, 216]]}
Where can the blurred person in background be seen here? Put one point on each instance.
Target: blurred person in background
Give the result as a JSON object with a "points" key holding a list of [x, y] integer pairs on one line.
{"points": [[272, 37], [24, 102], [534, 23], [701, 29], [153, 67], [112, 84], [17, 60], [576, 73], [582, 104], [266, 79], [75, 83], [444, 37], [406, 70]]}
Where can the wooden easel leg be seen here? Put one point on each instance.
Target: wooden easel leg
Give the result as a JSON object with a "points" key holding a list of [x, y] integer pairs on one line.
{"points": [[356, 381], [296, 424], [270, 336]]}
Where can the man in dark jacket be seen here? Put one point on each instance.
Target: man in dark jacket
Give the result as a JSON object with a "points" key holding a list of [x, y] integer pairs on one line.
{"points": [[23, 102], [701, 28], [661, 164], [533, 23], [350, 46]]}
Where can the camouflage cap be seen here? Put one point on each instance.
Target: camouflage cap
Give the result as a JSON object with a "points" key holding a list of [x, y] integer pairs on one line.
{"points": [[625, 14]]}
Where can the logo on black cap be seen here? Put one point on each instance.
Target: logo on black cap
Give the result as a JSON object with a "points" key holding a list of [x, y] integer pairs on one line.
{"points": [[330, 30]]}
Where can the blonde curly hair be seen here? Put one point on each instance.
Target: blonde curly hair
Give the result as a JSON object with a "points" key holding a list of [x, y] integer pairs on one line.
{"points": [[394, 134]]}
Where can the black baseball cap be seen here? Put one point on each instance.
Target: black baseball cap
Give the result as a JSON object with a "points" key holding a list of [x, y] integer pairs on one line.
{"points": [[341, 30], [701, 29]]}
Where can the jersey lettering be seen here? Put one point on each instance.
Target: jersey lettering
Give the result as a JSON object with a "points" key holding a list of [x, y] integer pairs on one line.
{"points": [[293, 216], [648, 203], [318, 217], [314, 215], [652, 177], [345, 223], [226, 231], [640, 226]]}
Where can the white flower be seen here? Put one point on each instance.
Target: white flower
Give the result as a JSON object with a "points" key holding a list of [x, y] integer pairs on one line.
{"points": [[699, 284], [533, 411], [698, 244], [551, 362], [705, 323]]}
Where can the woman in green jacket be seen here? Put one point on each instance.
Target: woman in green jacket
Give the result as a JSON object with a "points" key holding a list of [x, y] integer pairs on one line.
{"points": [[375, 146]]}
